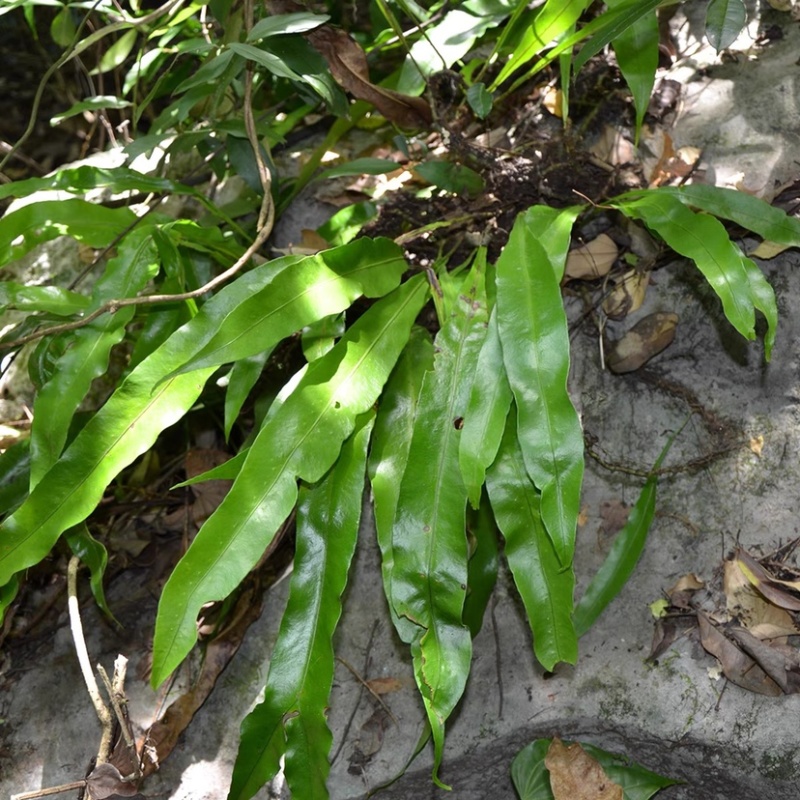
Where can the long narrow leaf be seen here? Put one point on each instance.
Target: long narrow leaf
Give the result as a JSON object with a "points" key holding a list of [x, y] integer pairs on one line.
{"points": [[636, 49], [554, 19], [388, 456], [487, 410], [301, 666], [535, 342], [739, 207], [703, 239], [301, 439], [88, 353], [545, 586], [52, 299], [319, 285], [429, 542], [146, 403], [96, 226], [624, 554], [483, 565]]}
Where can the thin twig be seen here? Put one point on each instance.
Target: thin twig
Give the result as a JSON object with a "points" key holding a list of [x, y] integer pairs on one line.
{"points": [[103, 714], [64, 787], [366, 685]]}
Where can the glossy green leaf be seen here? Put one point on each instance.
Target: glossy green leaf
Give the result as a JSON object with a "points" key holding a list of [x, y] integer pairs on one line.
{"points": [[96, 226], [301, 438], [241, 379], [739, 207], [15, 470], [532, 779], [724, 22], [480, 100], [429, 578], [483, 565], [704, 240], [764, 300], [320, 336], [212, 71], [609, 27], [535, 342], [487, 410], [63, 28], [117, 53], [388, 457], [554, 19], [276, 65], [93, 555], [87, 178], [316, 286], [89, 349], [451, 177], [345, 224], [544, 584], [636, 49], [302, 664], [7, 594], [285, 23], [625, 552], [97, 103], [147, 402], [51, 299]]}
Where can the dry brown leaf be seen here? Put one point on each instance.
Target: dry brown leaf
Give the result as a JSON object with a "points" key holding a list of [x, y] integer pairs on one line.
{"points": [[627, 295], [746, 602], [613, 147], [757, 444], [347, 62], [686, 583], [105, 781], [767, 250], [739, 668], [575, 775], [779, 592], [592, 260], [553, 101], [645, 339]]}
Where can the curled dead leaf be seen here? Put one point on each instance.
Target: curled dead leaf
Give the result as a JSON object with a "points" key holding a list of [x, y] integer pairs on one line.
{"points": [[575, 775], [347, 62], [592, 260], [647, 338]]}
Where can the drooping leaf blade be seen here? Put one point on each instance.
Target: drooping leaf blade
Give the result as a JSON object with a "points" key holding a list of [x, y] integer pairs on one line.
{"points": [[485, 419], [302, 664], [703, 239], [535, 342], [636, 49], [95, 225], [391, 441], [50, 299], [545, 586], [744, 209], [430, 551], [87, 355], [147, 402], [93, 554], [301, 439], [316, 286]]}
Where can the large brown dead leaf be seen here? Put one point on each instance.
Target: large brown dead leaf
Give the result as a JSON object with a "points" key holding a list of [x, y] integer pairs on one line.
{"points": [[575, 775], [591, 260], [782, 593], [347, 62]]}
